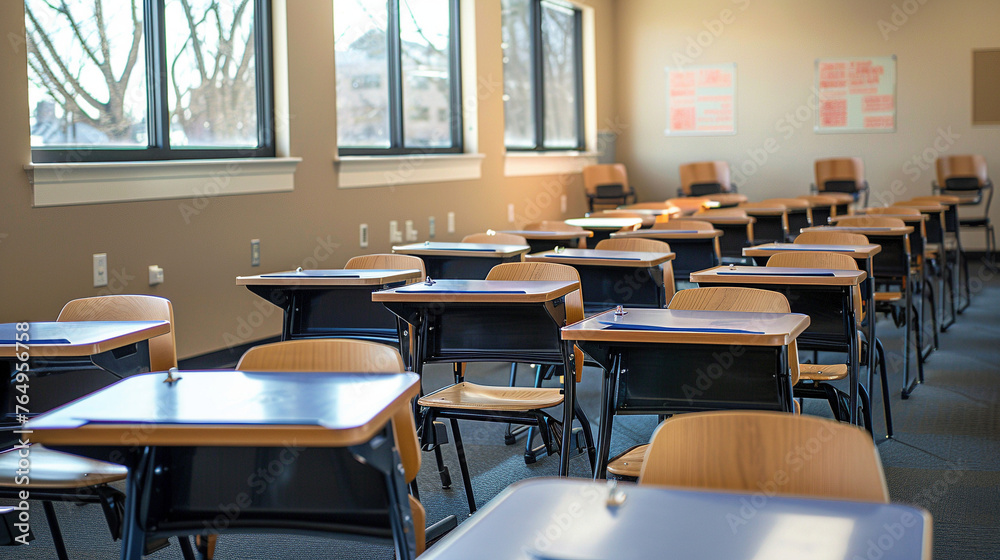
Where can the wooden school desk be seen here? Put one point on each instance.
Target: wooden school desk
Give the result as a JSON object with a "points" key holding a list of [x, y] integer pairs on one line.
{"points": [[603, 227], [894, 241], [610, 278], [659, 361], [69, 360], [471, 261], [222, 450], [457, 321], [694, 250], [826, 296], [863, 254], [547, 240], [560, 519], [331, 303]]}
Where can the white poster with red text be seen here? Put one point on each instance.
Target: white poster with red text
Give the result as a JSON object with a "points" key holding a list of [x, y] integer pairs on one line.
{"points": [[701, 100], [856, 94]]}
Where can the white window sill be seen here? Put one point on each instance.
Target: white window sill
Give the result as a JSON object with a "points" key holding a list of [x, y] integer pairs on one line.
{"points": [[389, 171], [520, 164], [64, 184]]}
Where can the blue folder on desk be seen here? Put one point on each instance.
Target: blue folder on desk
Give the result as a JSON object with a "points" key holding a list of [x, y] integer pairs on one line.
{"points": [[471, 249], [637, 327], [312, 274], [563, 256], [9, 334], [676, 231], [433, 291]]}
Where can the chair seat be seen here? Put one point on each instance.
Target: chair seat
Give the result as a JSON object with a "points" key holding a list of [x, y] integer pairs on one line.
{"points": [[628, 464], [55, 469], [469, 396], [888, 296], [822, 372]]}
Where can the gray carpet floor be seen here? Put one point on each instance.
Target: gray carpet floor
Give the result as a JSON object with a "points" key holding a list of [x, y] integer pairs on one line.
{"points": [[945, 455]]}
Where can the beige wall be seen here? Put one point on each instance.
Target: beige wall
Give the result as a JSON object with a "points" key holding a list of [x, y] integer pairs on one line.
{"points": [[775, 44], [45, 254]]}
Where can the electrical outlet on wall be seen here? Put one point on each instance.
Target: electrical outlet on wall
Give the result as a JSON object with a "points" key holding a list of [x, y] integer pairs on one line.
{"points": [[395, 235], [431, 229], [451, 222], [255, 252], [363, 235], [510, 213], [100, 270], [411, 232]]}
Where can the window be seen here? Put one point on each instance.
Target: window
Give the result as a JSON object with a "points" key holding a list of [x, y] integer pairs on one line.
{"points": [[116, 80], [543, 75], [414, 47]]}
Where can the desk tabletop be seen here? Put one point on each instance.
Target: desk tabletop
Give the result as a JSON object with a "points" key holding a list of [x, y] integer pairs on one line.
{"points": [[604, 223], [927, 207], [727, 199], [907, 218], [600, 257], [723, 219], [77, 338], [887, 231], [775, 210], [543, 235], [232, 408], [458, 249], [646, 208], [778, 275], [656, 233], [768, 249], [567, 519], [329, 277], [671, 326], [478, 291]]}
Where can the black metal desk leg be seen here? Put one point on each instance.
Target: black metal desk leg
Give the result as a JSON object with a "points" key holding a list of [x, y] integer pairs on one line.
{"points": [[133, 535], [569, 404]]}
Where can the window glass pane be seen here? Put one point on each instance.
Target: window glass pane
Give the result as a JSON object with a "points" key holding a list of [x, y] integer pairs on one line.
{"points": [[211, 73], [86, 73], [359, 28], [519, 111], [559, 72], [424, 31]]}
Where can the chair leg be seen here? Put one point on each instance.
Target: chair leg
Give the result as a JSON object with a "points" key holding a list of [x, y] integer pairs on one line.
{"points": [[466, 479], [967, 282], [57, 538], [864, 399], [880, 356], [934, 314], [588, 435], [187, 549], [919, 346]]}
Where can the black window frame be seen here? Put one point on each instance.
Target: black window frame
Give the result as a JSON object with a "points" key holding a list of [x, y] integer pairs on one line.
{"points": [[538, 82], [397, 145], [158, 111]]}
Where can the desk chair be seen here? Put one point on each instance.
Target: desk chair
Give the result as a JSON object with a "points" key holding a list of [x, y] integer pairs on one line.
{"points": [[517, 405], [831, 238], [495, 237], [772, 221], [58, 476], [823, 206], [709, 179], [737, 228], [641, 245], [607, 184], [744, 451], [841, 175], [967, 178], [387, 261], [954, 253], [799, 214], [356, 356], [628, 464], [819, 376]]}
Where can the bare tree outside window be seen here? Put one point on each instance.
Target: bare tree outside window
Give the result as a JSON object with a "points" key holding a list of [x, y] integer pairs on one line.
{"points": [[89, 82]]}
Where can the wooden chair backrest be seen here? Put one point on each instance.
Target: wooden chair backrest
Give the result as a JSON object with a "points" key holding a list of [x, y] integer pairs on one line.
{"points": [[684, 225], [839, 169], [701, 172], [962, 166], [495, 237], [521, 271], [870, 221], [726, 298], [820, 259], [552, 225], [749, 450], [388, 261], [162, 349], [831, 238], [605, 174]]}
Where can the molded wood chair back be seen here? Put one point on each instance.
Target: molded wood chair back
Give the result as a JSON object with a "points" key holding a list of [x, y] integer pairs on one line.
{"points": [[162, 349], [705, 177], [388, 261], [749, 450], [831, 238]]}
